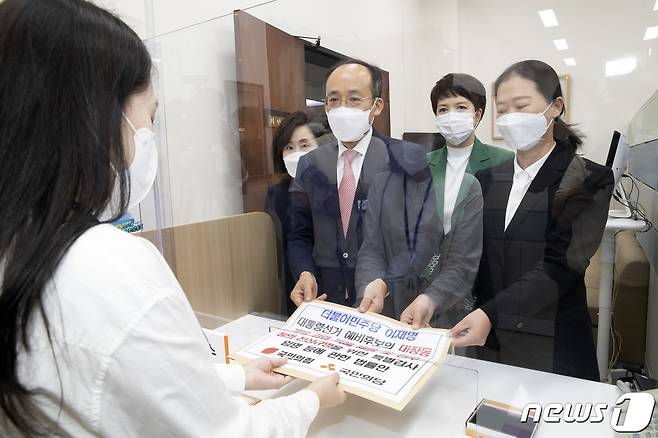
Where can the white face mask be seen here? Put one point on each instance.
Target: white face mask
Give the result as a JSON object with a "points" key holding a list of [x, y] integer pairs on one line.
{"points": [[144, 167], [455, 126], [291, 161], [349, 124], [521, 131]]}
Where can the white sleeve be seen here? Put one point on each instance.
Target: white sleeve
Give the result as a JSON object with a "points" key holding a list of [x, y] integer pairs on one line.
{"points": [[161, 382], [232, 376]]}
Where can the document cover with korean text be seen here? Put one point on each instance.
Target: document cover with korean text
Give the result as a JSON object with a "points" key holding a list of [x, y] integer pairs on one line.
{"points": [[378, 358]]}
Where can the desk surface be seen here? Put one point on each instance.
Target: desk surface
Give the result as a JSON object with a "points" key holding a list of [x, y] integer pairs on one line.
{"points": [[442, 406], [616, 224]]}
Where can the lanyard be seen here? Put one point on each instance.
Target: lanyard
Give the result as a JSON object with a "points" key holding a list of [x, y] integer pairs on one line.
{"points": [[413, 242]]}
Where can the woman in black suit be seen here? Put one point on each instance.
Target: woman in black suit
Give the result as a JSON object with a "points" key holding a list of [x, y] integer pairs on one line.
{"points": [[544, 215], [296, 136]]}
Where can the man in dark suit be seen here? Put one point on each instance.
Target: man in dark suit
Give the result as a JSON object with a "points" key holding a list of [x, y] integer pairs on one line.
{"points": [[329, 196]]}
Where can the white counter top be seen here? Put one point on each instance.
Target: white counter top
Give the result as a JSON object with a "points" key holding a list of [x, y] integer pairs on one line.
{"points": [[442, 406]]}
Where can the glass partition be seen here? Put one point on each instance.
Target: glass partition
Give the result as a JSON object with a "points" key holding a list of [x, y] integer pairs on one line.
{"points": [[474, 182]]}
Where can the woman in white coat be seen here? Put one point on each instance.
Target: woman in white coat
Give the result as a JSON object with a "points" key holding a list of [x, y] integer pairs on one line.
{"points": [[96, 335]]}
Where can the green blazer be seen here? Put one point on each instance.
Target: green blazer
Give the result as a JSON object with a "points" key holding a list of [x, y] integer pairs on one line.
{"points": [[483, 156]]}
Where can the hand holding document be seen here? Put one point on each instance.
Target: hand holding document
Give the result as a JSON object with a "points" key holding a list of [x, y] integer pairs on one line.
{"points": [[378, 358]]}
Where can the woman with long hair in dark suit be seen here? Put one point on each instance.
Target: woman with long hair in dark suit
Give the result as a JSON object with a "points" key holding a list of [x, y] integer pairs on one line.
{"points": [[544, 214]]}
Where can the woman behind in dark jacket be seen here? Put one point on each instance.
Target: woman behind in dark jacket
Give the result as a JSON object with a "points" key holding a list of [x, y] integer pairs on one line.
{"points": [[296, 136], [544, 215]]}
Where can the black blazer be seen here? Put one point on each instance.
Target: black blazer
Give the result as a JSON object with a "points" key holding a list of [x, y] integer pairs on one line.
{"points": [[277, 205], [531, 278]]}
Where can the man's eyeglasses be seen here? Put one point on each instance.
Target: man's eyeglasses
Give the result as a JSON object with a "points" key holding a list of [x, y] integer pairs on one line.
{"points": [[350, 102]]}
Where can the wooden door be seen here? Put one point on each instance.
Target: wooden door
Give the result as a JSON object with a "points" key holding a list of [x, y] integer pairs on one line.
{"points": [[383, 122], [270, 76]]}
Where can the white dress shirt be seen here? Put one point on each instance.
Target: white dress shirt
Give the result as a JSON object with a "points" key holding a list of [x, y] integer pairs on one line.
{"points": [[357, 163], [132, 358], [455, 168], [522, 180]]}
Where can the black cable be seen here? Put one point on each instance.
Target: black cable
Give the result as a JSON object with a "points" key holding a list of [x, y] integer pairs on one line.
{"points": [[636, 209]]}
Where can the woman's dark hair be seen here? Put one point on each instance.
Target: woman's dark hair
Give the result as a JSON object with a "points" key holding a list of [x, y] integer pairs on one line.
{"points": [[548, 85], [459, 84], [68, 68], [284, 133]]}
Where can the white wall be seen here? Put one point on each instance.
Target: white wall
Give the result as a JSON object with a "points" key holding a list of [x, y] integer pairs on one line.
{"points": [[195, 41], [199, 73], [497, 34], [416, 41], [409, 39], [170, 15], [430, 50], [130, 11], [199, 105]]}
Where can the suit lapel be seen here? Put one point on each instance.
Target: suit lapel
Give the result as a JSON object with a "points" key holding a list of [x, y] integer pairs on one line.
{"points": [[479, 158], [437, 166], [327, 164], [496, 200], [373, 163], [549, 174]]}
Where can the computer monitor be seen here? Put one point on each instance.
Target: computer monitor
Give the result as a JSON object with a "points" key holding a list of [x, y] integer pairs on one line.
{"points": [[617, 160], [618, 156], [429, 140]]}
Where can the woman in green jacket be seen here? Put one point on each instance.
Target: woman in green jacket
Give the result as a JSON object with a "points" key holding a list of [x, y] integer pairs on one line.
{"points": [[459, 101]]}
